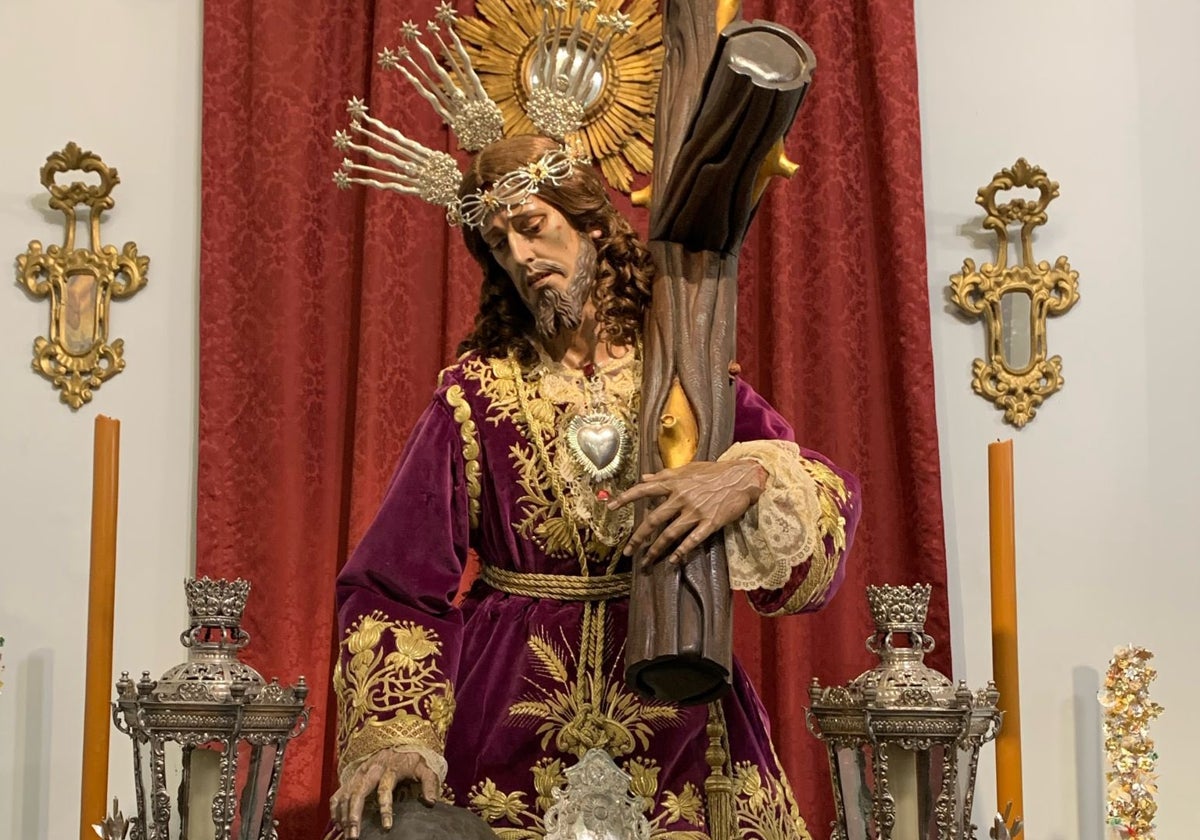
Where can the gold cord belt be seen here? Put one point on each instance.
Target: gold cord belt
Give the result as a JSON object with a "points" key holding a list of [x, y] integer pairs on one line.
{"points": [[556, 587]]}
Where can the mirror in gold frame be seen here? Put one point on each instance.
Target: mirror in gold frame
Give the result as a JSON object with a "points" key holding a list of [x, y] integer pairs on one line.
{"points": [[1014, 299]]}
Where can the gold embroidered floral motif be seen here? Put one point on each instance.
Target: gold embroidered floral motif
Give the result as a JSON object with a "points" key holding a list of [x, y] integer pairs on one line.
{"points": [[765, 806], [493, 805], [831, 491], [557, 500], [687, 805], [388, 699], [470, 441], [587, 711], [547, 775]]}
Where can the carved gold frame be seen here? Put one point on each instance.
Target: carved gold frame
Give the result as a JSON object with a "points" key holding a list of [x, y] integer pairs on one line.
{"points": [[1016, 389], [80, 282]]}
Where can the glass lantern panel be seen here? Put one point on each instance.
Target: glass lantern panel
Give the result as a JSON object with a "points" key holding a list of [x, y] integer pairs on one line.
{"points": [[931, 778], [855, 781], [255, 766], [203, 784]]}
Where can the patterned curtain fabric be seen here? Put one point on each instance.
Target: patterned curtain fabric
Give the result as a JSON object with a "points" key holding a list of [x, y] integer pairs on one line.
{"points": [[326, 315]]}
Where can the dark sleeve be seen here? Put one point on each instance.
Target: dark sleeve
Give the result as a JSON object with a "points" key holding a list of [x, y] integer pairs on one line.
{"points": [[400, 633]]}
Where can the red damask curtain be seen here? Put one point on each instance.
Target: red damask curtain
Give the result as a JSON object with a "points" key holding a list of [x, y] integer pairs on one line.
{"points": [[325, 317]]}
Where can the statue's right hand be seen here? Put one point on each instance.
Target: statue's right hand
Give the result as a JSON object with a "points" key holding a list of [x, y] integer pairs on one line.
{"points": [[380, 774]]}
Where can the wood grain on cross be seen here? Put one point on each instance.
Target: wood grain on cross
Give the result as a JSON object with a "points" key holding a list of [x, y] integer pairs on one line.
{"points": [[728, 95]]}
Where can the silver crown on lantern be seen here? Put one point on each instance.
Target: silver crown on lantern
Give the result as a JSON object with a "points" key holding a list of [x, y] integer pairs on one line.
{"points": [[900, 609], [216, 603], [567, 58]]}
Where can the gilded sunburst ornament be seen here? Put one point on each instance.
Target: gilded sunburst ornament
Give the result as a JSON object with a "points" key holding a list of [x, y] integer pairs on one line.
{"points": [[618, 122]]}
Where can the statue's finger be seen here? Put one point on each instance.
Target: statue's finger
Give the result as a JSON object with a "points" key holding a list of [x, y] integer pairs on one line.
{"points": [[691, 542], [650, 525], [429, 784], [645, 490], [670, 536], [387, 784], [354, 812]]}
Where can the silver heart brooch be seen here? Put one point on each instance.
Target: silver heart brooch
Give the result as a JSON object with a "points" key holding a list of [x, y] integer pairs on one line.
{"points": [[599, 441]]}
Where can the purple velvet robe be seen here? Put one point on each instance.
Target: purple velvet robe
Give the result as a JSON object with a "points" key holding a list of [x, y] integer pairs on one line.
{"points": [[513, 689]]}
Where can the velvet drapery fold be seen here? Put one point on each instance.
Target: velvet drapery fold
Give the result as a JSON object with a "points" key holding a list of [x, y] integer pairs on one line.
{"points": [[326, 315]]}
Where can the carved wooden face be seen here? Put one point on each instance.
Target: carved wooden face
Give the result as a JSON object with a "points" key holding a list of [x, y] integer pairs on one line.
{"points": [[552, 265]]}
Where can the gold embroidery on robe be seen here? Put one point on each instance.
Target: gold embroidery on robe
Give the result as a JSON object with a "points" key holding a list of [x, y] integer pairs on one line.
{"points": [[538, 403], [765, 807], [390, 699], [470, 442], [591, 710]]}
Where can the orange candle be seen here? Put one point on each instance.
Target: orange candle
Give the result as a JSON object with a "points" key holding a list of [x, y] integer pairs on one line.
{"points": [[1004, 626], [101, 594]]}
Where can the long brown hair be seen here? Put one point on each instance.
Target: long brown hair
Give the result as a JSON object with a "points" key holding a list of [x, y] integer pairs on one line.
{"points": [[624, 268]]}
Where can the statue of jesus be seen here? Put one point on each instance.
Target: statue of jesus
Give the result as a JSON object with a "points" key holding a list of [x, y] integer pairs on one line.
{"points": [[527, 455]]}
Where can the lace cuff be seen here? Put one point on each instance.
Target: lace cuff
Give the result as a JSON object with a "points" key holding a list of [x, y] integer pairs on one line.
{"points": [[778, 532]]}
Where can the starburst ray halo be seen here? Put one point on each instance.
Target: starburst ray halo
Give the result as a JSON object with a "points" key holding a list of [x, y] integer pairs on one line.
{"points": [[611, 52], [414, 169], [568, 59], [456, 95], [454, 90]]}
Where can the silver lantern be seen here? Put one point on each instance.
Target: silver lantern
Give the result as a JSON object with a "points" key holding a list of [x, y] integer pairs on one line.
{"points": [[209, 736], [903, 740]]}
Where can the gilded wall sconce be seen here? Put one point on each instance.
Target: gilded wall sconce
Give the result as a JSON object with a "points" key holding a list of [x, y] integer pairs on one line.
{"points": [[81, 283], [1015, 300]]}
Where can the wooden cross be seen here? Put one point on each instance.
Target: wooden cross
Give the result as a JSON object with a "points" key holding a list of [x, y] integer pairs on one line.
{"points": [[729, 92]]}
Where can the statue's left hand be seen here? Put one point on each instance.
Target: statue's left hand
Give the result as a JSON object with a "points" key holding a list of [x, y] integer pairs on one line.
{"points": [[696, 500]]}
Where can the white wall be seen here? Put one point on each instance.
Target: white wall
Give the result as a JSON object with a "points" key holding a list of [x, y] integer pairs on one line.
{"points": [[125, 83], [1104, 97]]}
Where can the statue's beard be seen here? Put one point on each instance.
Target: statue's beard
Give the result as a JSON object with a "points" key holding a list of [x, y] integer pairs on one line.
{"points": [[555, 311]]}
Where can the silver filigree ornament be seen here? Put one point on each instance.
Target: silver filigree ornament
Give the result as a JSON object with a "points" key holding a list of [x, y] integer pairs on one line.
{"points": [[454, 90], [599, 441], [114, 826], [411, 168], [567, 60], [597, 803], [567, 64], [901, 733], [514, 188], [554, 113], [209, 736]]}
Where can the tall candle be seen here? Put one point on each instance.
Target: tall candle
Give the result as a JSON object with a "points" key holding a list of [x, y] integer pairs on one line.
{"points": [[101, 593], [1004, 625]]}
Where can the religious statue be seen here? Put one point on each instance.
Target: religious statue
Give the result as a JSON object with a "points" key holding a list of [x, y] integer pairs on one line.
{"points": [[532, 453]]}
